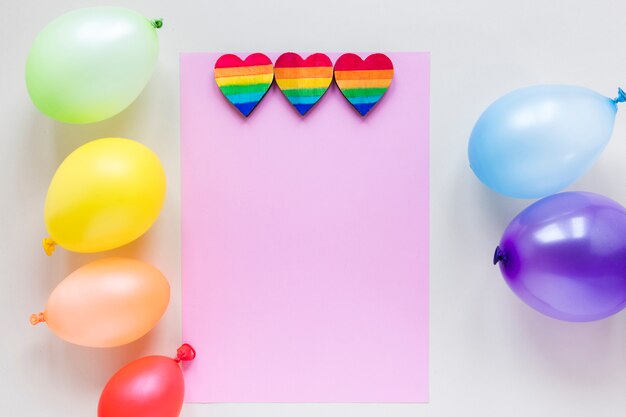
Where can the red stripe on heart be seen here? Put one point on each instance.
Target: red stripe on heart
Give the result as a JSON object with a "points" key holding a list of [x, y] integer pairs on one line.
{"points": [[293, 60], [353, 62], [230, 61]]}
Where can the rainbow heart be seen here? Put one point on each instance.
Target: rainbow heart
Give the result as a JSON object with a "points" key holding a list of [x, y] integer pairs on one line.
{"points": [[363, 82], [244, 83], [303, 81]]}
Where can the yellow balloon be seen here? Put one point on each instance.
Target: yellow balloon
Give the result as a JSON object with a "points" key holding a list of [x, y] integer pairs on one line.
{"points": [[106, 303], [104, 195]]}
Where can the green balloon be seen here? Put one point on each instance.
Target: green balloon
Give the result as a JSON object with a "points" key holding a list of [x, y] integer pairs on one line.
{"points": [[90, 64]]}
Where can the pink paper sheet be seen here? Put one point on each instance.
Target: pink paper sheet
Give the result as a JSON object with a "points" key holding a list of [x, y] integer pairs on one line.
{"points": [[305, 243]]}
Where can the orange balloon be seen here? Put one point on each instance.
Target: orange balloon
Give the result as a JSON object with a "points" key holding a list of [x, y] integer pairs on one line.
{"points": [[106, 303]]}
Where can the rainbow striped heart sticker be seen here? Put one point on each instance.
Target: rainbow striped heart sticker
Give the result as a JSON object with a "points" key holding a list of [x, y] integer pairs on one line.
{"points": [[363, 83], [244, 83], [303, 81]]}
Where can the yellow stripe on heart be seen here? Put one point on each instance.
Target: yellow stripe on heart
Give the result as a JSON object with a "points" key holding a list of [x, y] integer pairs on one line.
{"points": [[245, 80]]}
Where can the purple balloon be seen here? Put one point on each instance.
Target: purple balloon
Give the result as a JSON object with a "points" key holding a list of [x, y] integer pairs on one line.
{"points": [[565, 256]]}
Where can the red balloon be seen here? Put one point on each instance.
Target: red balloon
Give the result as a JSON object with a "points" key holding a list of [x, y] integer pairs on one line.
{"points": [[151, 386]]}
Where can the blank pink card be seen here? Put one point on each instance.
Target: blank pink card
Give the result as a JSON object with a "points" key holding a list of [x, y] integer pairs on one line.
{"points": [[305, 243]]}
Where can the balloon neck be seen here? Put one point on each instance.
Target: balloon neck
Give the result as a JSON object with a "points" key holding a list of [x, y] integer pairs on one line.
{"points": [[48, 245], [35, 319], [157, 23], [499, 256], [185, 353], [621, 96]]}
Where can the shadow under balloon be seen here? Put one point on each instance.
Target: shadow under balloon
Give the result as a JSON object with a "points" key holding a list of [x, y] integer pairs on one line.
{"points": [[140, 249], [572, 353], [493, 212], [91, 366], [499, 209], [128, 123]]}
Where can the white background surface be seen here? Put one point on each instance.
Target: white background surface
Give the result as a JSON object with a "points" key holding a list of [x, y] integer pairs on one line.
{"points": [[490, 354]]}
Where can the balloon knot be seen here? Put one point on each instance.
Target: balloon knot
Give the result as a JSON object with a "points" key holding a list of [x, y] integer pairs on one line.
{"points": [[35, 319], [621, 96], [157, 23], [499, 256], [185, 353], [48, 245]]}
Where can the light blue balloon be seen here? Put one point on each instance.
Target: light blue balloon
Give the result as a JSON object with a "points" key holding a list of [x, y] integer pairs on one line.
{"points": [[535, 141]]}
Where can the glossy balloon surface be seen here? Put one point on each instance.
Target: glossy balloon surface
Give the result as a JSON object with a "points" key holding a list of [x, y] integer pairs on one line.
{"points": [[152, 386], [536, 141], [565, 256], [108, 302], [104, 195], [90, 64]]}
